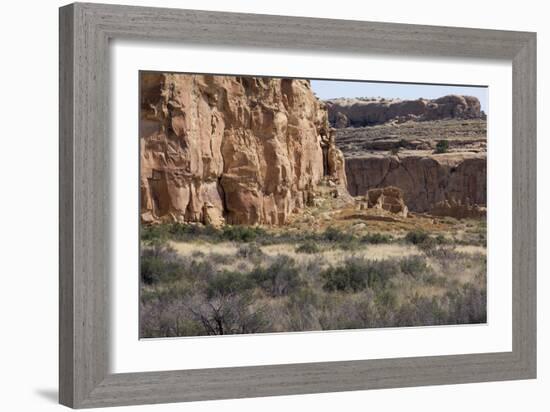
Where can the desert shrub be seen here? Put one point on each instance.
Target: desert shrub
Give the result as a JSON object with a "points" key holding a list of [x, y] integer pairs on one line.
{"points": [[376, 238], [386, 298], [386, 303], [428, 245], [422, 239], [333, 234], [348, 278], [226, 306], [152, 232], [241, 233], [342, 240], [166, 318], [465, 304], [350, 245], [312, 269], [415, 266], [421, 310], [366, 310], [199, 270], [183, 231], [336, 311], [196, 231], [395, 150], [227, 283], [358, 274], [380, 272], [309, 247], [197, 254], [278, 279], [434, 280], [445, 253], [451, 260], [301, 310], [442, 146], [219, 258], [250, 251], [468, 304], [416, 237], [159, 263], [441, 240]]}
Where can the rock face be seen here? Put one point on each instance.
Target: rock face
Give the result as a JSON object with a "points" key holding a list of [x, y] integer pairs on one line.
{"points": [[458, 210], [241, 150], [425, 179], [365, 112]]}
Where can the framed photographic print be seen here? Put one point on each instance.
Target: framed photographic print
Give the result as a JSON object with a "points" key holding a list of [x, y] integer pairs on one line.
{"points": [[257, 205]]}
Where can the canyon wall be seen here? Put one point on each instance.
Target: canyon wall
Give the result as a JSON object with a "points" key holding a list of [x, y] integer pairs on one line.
{"points": [[427, 181], [241, 150], [444, 180], [345, 112]]}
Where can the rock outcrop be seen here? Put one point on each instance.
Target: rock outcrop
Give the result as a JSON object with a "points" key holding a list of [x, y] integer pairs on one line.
{"points": [[241, 150], [425, 179], [345, 112], [388, 198]]}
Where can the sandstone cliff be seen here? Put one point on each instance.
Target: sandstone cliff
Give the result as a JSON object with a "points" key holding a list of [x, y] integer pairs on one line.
{"points": [[244, 150], [425, 179], [404, 155], [346, 112]]}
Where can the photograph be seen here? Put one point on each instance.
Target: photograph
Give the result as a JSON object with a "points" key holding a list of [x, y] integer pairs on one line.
{"points": [[281, 205]]}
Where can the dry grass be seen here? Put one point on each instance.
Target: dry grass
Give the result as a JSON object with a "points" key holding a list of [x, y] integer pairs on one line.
{"points": [[471, 249], [189, 248]]}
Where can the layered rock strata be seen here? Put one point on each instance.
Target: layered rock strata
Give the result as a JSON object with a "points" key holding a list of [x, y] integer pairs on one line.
{"points": [[240, 150]]}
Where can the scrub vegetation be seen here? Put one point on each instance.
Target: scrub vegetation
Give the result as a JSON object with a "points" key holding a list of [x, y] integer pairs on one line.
{"points": [[198, 280]]}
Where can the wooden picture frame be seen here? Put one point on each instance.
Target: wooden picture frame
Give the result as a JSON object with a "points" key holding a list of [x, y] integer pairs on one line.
{"points": [[85, 31]]}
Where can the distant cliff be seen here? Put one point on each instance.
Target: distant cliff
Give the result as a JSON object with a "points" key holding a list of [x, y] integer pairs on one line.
{"points": [[405, 155], [345, 112], [241, 150], [426, 180]]}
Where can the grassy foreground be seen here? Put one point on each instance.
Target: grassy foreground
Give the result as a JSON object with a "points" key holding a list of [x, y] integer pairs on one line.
{"points": [[197, 280]]}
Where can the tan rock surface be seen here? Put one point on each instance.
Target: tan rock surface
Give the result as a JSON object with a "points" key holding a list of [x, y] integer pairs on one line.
{"points": [[458, 210], [242, 150], [425, 179]]}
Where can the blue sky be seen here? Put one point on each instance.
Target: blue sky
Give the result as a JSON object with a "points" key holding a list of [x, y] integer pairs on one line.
{"points": [[329, 89]]}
